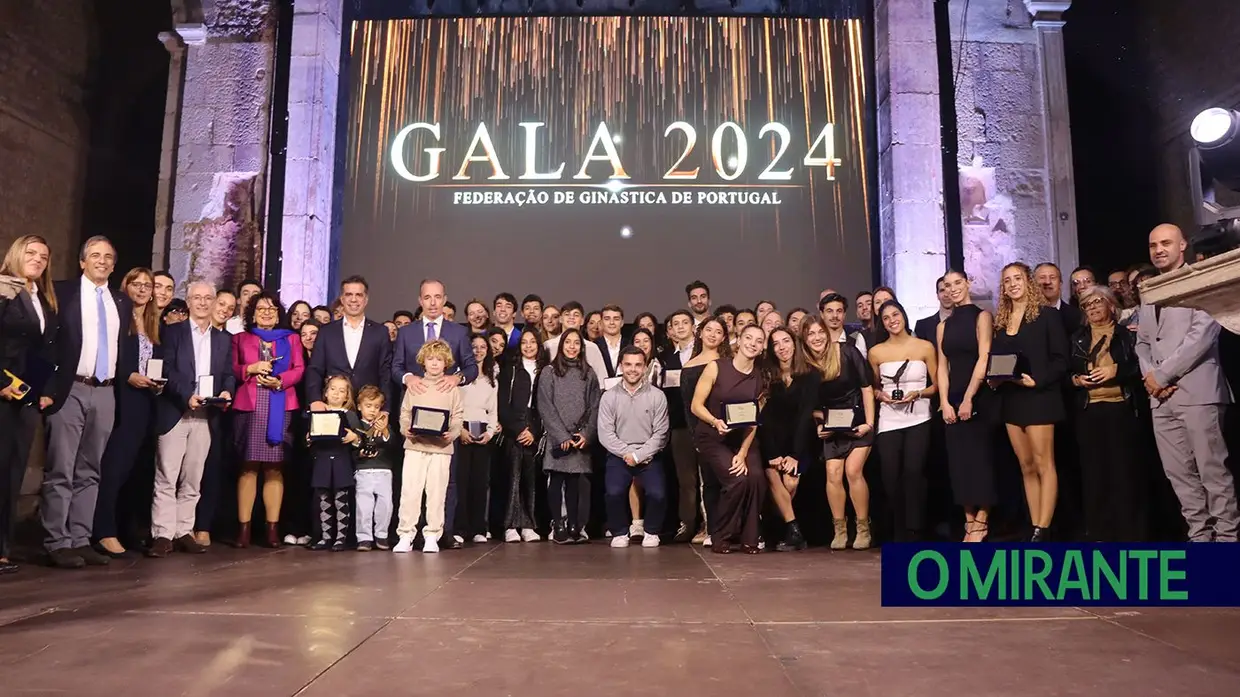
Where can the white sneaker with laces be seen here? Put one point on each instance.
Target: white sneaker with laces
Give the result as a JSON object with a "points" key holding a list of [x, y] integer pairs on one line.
{"points": [[458, 539], [650, 541], [706, 542], [511, 535], [530, 536], [405, 545], [637, 529], [430, 546], [290, 540], [480, 539], [303, 540], [619, 541]]}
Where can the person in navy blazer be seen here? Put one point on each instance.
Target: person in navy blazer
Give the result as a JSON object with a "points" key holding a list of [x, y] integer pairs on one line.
{"points": [[371, 365], [405, 368]]}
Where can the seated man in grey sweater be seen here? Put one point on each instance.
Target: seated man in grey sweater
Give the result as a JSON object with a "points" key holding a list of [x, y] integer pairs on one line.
{"points": [[632, 425]]}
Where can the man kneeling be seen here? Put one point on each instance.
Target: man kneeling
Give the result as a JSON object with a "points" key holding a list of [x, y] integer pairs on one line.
{"points": [[632, 425]]}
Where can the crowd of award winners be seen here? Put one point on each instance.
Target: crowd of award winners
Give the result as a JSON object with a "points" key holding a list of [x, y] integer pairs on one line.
{"points": [[742, 428]]}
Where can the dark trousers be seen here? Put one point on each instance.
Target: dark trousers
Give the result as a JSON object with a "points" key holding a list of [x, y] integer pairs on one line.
{"points": [[473, 473], [741, 496], [1113, 472], [712, 492], [209, 488], [522, 487], [902, 458], [17, 430], [619, 479], [124, 450], [451, 501], [571, 492]]}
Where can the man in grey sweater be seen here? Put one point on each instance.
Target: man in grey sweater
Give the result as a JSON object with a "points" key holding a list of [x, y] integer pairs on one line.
{"points": [[632, 425]]}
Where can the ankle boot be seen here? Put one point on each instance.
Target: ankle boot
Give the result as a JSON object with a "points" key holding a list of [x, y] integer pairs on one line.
{"points": [[273, 536], [243, 536], [862, 540], [840, 541], [793, 539]]}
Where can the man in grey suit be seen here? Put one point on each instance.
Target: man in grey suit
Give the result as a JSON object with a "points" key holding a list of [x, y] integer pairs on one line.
{"points": [[1178, 350]]}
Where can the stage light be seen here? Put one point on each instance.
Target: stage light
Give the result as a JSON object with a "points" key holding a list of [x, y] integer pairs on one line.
{"points": [[626, 232], [1215, 127]]}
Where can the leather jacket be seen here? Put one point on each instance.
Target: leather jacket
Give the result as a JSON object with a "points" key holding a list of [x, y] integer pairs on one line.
{"points": [[1123, 350]]}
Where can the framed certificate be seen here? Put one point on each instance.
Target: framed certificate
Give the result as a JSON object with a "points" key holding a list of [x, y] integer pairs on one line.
{"points": [[155, 370], [737, 414], [476, 429], [206, 391], [1003, 366], [428, 421], [326, 425], [609, 383], [671, 378], [838, 419]]}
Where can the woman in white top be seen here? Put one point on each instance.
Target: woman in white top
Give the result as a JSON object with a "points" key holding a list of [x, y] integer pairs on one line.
{"points": [[479, 400], [905, 367]]}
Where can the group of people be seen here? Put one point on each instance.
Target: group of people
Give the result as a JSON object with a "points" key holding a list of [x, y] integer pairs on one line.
{"points": [[697, 428]]}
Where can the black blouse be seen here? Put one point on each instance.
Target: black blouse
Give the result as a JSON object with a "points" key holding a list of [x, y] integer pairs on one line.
{"points": [[787, 418], [844, 392]]}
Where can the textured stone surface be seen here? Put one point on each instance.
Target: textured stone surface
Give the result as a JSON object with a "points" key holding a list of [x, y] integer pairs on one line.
{"points": [[225, 244], [44, 59]]}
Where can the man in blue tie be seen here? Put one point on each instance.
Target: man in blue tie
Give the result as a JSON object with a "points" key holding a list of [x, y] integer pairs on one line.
{"points": [[79, 403]]}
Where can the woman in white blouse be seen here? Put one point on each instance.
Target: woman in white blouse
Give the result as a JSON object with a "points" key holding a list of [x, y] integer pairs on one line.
{"points": [[473, 458]]}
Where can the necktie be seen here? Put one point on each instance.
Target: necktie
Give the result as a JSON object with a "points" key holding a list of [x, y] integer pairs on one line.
{"points": [[430, 332], [101, 354]]}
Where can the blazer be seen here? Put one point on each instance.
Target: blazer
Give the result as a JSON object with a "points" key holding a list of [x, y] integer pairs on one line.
{"points": [[373, 366], [1180, 346], [1042, 344], [182, 373], [21, 339], [515, 392], [669, 358], [928, 328], [68, 339], [601, 343], [410, 339], [1123, 350], [246, 349]]}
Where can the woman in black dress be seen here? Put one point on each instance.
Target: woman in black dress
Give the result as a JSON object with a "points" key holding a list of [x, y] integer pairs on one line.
{"points": [[729, 452], [786, 430], [710, 345], [964, 350], [1032, 404]]}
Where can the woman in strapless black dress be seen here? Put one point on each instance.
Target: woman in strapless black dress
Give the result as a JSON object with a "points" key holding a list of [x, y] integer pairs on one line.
{"points": [[710, 345], [964, 348], [1033, 404]]}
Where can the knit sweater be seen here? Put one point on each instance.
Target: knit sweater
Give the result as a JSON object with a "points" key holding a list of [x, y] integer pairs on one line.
{"points": [[568, 405], [434, 399]]}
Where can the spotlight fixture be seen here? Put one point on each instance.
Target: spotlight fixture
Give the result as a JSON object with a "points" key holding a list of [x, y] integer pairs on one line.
{"points": [[1214, 177], [1215, 127]]}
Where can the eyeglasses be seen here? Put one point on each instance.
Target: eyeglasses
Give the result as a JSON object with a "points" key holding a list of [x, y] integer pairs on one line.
{"points": [[140, 285], [267, 308]]}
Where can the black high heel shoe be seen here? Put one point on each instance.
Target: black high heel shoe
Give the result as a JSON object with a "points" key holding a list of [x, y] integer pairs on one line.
{"points": [[1040, 534]]}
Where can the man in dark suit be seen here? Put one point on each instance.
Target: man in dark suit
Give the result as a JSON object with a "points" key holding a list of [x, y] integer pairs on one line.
{"points": [[80, 404], [354, 346], [927, 328], [612, 341], [1050, 280], [185, 425], [408, 373]]}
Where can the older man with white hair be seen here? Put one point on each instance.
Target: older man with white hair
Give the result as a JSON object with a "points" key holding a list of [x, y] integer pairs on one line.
{"points": [[198, 365]]}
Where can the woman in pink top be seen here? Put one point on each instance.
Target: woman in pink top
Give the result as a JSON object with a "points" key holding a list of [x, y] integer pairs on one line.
{"points": [[269, 362]]}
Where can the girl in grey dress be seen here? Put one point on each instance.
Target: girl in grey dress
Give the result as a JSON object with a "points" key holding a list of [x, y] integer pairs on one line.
{"points": [[568, 396]]}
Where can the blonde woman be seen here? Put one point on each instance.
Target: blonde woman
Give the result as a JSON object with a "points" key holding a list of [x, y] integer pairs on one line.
{"points": [[1032, 403]]}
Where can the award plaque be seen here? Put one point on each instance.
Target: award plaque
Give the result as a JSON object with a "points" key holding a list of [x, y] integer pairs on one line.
{"points": [[427, 421], [206, 391], [609, 383], [1003, 366], [155, 371], [838, 419], [737, 414], [671, 378], [477, 429], [326, 425]]}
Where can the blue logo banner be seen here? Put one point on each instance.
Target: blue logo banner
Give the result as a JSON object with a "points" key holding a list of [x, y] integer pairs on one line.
{"points": [[1045, 575]]}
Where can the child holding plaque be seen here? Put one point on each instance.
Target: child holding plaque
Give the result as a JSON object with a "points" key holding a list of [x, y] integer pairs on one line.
{"points": [[332, 472], [430, 420], [373, 469]]}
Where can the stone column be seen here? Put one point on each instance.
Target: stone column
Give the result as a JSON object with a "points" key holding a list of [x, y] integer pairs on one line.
{"points": [[910, 169], [175, 42], [1048, 23], [219, 186]]}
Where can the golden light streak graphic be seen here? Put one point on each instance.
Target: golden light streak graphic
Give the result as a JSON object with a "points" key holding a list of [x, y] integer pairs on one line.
{"points": [[637, 75]]}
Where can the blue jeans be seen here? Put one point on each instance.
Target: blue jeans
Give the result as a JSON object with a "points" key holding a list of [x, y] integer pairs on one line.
{"points": [[619, 477]]}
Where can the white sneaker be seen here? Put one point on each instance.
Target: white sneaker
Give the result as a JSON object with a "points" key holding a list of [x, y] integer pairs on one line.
{"points": [[458, 539], [303, 540], [620, 541], [706, 541], [530, 536], [290, 540], [488, 534], [512, 536], [650, 541], [430, 546], [480, 539], [405, 545], [637, 529]]}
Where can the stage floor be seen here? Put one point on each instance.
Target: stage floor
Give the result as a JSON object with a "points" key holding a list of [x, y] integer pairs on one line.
{"points": [[543, 621]]}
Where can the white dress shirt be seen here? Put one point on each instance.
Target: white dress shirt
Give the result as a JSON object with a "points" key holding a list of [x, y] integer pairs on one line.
{"points": [[353, 338], [438, 322], [90, 329], [202, 347], [686, 353], [235, 325], [613, 352], [38, 309]]}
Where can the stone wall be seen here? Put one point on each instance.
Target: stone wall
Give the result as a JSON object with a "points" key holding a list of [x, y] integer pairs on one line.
{"points": [[45, 53]]}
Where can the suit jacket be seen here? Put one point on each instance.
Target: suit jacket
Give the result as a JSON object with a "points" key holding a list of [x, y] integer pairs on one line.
{"points": [[612, 369], [410, 339], [517, 411], [1180, 345], [182, 373], [22, 342], [1071, 316], [373, 366], [669, 358], [68, 338], [927, 328], [246, 350]]}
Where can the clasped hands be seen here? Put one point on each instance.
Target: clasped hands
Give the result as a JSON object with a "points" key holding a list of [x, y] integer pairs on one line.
{"points": [[1159, 392], [263, 370]]}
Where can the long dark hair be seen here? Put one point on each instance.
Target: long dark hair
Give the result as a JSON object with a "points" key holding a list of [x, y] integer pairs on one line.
{"points": [[880, 330], [772, 373], [487, 369], [562, 364], [540, 358], [725, 348], [282, 315]]}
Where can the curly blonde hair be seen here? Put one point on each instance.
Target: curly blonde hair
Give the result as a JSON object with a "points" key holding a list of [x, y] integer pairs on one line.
{"points": [[1033, 299], [436, 349]]}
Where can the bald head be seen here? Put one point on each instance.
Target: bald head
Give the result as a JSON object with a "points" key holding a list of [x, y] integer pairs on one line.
{"points": [[1167, 245]]}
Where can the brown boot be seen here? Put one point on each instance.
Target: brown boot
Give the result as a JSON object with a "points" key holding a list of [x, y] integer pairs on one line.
{"points": [[840, 541], [273, 535], [862, 541], [243, 536]]}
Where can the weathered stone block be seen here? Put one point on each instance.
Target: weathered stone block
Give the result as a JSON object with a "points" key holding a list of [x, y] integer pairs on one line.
{"points": [[915, 120], [192, 193], [917, 173], [914, 68], [204, 159], [225, 244], [917, 228], [305, 80], [910, 20]]}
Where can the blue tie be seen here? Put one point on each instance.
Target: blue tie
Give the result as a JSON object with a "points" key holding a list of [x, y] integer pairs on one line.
{"points": [[430, 332], [101, 355]]}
